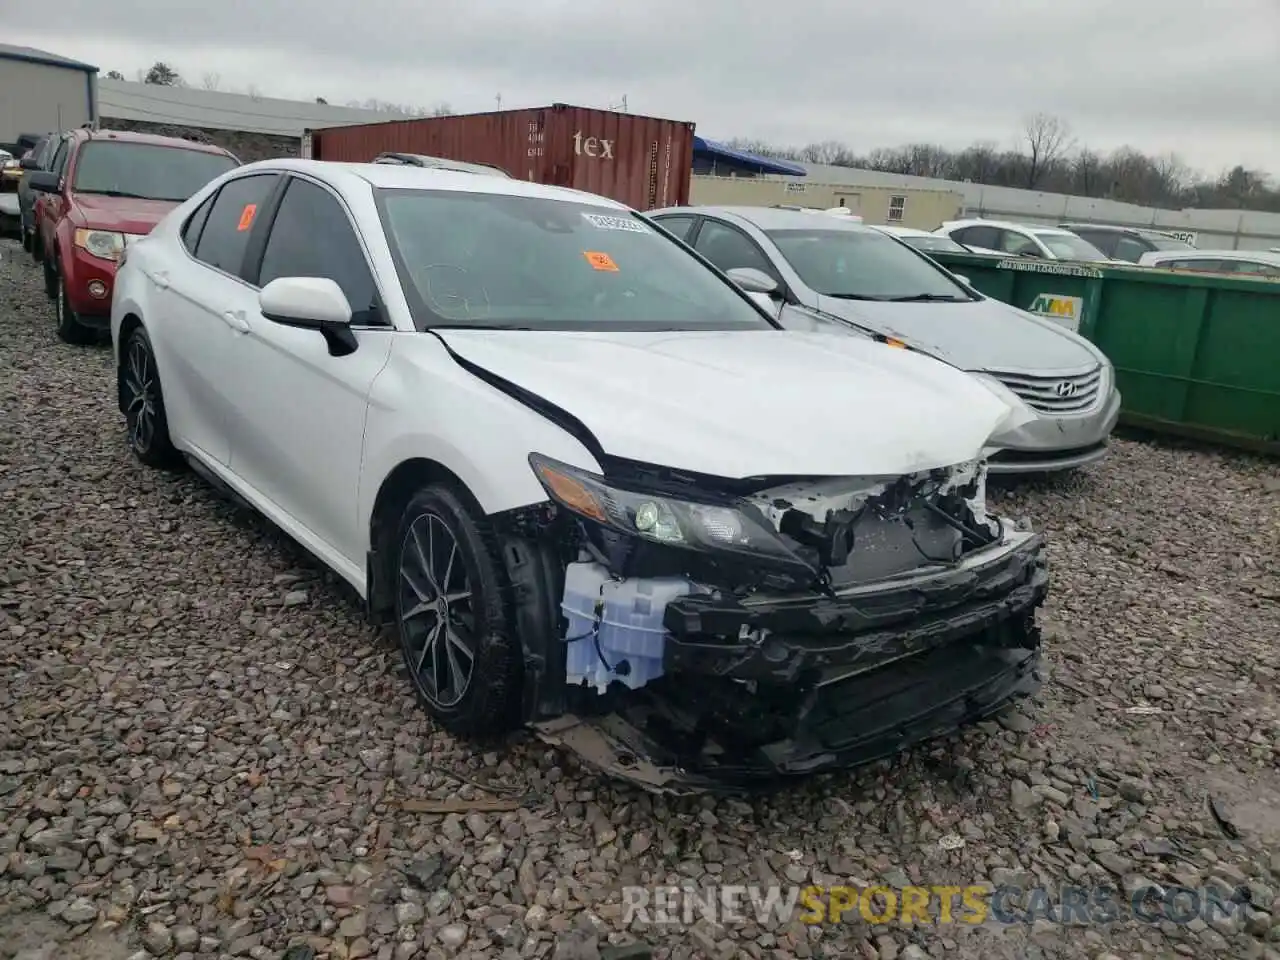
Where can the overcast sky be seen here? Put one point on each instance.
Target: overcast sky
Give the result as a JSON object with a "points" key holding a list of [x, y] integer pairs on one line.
{"points": [[1195, 78]]}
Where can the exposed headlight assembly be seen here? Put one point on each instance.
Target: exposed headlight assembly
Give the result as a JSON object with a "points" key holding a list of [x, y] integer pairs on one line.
{"points": [[736, 529], [101, 243]]}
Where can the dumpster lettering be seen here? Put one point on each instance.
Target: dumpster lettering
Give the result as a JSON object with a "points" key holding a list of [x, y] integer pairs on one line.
{"points": [[1058, 269], [1062, 310]]}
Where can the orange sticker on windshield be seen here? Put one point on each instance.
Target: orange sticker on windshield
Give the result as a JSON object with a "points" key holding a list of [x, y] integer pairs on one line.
{"points": [[600, 261], [246, 216]]}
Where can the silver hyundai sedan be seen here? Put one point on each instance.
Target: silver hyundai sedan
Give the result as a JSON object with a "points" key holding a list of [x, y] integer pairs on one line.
{"points": [[867, 279]]}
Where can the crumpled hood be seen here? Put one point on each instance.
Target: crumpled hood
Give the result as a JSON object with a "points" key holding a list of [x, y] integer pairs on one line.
{"points": [[121, 214], [980, 335], [749, 403]]}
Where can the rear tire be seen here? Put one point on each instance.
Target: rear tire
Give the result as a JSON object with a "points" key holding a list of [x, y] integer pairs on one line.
{"points": [[70, 329], [139, 390], [50, 280], [462, 656]]}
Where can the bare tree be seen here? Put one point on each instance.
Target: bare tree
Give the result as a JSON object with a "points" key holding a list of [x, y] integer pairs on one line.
{"points": [[442, 109], [1047, 138], [211, 81], [254, 92], [114, 75]]}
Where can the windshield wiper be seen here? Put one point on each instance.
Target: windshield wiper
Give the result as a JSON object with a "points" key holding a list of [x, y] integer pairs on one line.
{"points": [[926, 298], [850, 296], [116, 193]]}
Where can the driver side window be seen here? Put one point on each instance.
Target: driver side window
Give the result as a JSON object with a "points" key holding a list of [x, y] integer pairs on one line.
{"points": [[1016, 243], [728, 248], [312, 236]]}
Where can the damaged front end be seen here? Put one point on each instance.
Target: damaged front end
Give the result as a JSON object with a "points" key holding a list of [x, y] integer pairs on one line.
{"points": [[690, 632]]}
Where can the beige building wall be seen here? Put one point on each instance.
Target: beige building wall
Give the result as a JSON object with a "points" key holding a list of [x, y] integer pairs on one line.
{"points": [[910, 207]]}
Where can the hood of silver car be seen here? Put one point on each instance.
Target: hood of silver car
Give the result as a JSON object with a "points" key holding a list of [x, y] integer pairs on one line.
{"points": [[978, 335]]}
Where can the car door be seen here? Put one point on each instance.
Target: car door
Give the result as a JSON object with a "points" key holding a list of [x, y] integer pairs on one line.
{"points": [[49, 205], [680, 225], [1108, 241], [1126, 248], [298, 412], [199, 293], [978, 237], [729, 248], [1018, 244]]}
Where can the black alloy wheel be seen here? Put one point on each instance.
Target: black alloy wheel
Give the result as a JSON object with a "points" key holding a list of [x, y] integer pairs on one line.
{"points": [[148, 426], [450, 618]]}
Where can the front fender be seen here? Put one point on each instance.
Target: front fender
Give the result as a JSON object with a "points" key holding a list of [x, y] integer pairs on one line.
{"points": [[424, 406]]}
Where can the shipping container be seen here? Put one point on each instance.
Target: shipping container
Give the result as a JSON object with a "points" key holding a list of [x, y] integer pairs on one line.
{"points": [[644, 162]]}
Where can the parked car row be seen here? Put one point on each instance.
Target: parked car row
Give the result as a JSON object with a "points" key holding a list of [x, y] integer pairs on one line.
{"points": [[1100, 243], [86, 195]]}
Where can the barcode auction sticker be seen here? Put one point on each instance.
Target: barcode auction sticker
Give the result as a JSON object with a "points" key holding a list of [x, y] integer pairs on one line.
{"points": [[600, 261], [601, 222]]}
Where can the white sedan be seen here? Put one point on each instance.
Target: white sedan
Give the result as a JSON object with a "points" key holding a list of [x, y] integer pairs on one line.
{"points": [[585, 480]]}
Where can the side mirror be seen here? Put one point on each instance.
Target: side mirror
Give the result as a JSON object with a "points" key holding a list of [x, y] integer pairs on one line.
{"points": [[751, 280], [28, 163], [44, 181], [963, 279], [311, 303]]}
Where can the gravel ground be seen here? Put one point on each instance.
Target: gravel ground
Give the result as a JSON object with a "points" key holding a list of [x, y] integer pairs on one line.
{"points": [[204, 753]]}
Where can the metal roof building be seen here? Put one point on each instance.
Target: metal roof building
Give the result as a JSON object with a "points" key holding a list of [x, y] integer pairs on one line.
{"points": [[41, 91], [215, 110], [1213, 229]]}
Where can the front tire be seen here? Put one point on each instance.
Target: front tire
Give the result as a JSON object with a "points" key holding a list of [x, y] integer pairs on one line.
{"points": [[144, 403], [50, 280], [459, 649], [70, 329]]}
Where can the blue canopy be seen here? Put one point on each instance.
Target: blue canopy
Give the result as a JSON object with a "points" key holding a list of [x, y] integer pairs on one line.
{"points": [[764, 164]]}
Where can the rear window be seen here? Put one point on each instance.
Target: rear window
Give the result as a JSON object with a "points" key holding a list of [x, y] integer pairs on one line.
{"points": [[145, 171], [496, 260], [1067, 246], [1168, 243]]}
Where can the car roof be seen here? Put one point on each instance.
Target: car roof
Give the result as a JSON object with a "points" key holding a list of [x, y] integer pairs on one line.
{"points": [[1007, 225], [131, 136], [1261, 256], [443, 163], [1113, 228], [898, 231], [398, 176], [772, 218]]}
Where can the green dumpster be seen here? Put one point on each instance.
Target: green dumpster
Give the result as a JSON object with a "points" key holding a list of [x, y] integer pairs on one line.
{"points": [[1195, 354]]}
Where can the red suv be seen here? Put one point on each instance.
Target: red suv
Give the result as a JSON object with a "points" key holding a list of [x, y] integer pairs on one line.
{"points": [[103, 190]]}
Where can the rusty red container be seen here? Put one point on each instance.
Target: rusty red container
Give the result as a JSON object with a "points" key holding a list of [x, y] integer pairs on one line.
{"points": [[644, 162]]}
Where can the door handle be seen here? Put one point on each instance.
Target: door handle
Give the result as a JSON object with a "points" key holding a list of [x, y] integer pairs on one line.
{"points": [[236, 321], [161, 279]]}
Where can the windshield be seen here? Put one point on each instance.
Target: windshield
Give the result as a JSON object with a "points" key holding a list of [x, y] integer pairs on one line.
{"points": [[1067, 246], [1168, 243], [496, 260], [934, 244], [146, 170], [863, 265]]}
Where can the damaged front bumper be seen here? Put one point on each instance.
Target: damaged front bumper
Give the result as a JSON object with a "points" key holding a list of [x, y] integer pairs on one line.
{"points": [[765, 687]]}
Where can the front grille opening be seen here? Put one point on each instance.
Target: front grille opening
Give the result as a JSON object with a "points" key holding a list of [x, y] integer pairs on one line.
{"points": [[1055, 393]]}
